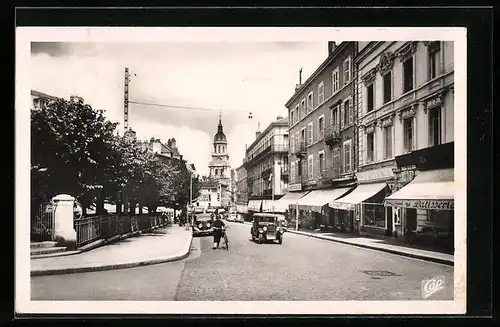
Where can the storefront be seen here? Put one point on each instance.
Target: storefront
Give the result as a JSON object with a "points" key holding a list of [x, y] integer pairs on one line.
{"points": [[312, 208], [282, 205], [363, 209], [426, 207]]}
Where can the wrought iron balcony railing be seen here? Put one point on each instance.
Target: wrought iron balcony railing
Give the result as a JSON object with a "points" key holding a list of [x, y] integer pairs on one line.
{"points": [[332, 135]]}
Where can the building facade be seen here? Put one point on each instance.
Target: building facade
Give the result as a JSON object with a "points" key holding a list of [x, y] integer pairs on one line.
{"points": [[322, 133], [241, 193], [210, 195], [39, 99], [266, 165], [405, 104]]}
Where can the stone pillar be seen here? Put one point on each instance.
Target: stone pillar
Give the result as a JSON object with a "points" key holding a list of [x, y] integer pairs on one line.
{"points": [[65, 234]]}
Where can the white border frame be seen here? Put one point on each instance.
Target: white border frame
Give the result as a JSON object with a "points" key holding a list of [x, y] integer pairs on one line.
{"points": [[24, 36]]}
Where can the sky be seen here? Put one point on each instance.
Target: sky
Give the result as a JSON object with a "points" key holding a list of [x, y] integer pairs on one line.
{"points": [[232, 78]]}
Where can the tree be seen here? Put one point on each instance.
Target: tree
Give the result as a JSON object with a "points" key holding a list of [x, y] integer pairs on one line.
{"points": [[74, 144]]}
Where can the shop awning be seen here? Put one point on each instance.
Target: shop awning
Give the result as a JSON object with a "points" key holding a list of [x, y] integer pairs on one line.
{"points": [[316, 199], [290, 198], [360, 194], [431, 189], [241, 208], [254, 205], [267, 205]]}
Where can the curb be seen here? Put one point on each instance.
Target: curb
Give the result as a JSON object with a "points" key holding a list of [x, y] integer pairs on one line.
{"points": [[63, 271], [406, 254]]}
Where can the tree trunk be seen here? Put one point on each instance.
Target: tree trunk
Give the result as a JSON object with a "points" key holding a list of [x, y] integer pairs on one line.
{"points": [[140, 208], [118, 203], [132, 204]]}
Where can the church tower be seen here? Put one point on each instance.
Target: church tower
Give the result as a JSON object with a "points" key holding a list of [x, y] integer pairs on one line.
{"points": [[219, 167]]}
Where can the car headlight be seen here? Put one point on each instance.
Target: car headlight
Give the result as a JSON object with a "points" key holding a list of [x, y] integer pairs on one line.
{"points": [[264, 228], [200, 225], [208, 225]]}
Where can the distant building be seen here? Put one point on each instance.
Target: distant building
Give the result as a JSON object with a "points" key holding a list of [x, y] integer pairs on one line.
{"points": [[219, 167], [241, 192], [39, 99], [210, 195], [266, 163]]}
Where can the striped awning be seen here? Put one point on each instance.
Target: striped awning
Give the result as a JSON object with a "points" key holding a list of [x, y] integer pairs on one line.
{"points": [[316, 199], [290, 198]]}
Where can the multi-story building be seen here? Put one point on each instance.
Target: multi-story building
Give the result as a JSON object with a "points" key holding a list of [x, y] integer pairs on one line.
{"points": [[322, 141], [404, 101], [266, 164], [210, 195], [241, 190], [39, 99]]}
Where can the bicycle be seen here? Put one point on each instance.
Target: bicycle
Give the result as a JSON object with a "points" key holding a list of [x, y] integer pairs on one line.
{"points": [[226, 241]]}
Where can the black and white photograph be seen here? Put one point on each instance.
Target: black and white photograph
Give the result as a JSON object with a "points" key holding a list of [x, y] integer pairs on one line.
{"points": [[241, 170]]}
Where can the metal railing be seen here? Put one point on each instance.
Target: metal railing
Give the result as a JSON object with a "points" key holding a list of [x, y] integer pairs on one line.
{"points": [[300, 147], [332, 134], [90, 229], [42, 224]]}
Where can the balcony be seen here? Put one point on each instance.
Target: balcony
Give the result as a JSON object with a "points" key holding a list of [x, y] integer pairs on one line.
{"points": [[266, 173], [332, 135], [300, 149]]}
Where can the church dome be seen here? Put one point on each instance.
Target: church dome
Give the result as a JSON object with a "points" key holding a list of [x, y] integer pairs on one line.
{"points": [[220, 137]]}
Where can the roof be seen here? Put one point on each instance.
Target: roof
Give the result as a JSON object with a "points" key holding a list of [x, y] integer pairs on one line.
{"points": [[276, 123], [342, 46], [43, 95]]}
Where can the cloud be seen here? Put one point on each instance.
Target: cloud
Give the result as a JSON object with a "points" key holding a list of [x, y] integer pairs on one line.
{"points": [[234, 78]]}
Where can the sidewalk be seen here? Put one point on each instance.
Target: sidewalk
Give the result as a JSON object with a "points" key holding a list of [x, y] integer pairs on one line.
{"points": [[378, 244], [159, 246]]}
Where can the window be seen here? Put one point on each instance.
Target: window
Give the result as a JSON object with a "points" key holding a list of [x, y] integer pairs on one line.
{"points": [[291, 118], [347, 114], [408, 75], [302, 108], [408, 134], [335, 80], [297, 140], [321, 93], [310, 102], [292, 171], [292, 145], [435, 126], [347, 70], [347, 156], [434, 50], [297, 114], [321, 127], [335, 116], [310, 133], [321, 157], [387, 87], [370, 148], [369, 98], [336, 161], [374, 215], [388, 142], [310, 167]]}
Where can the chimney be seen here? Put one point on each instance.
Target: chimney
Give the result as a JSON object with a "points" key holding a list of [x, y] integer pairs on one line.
{"points": [[331, 47], [279, 117], [297, 86], [169, 143], [173, 142]]}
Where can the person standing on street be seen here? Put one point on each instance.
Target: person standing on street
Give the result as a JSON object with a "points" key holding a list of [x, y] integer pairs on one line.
{"points": [[218, 229]]}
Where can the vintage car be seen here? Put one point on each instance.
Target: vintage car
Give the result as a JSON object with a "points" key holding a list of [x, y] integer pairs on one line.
{"points": [[267, 227], [202, 225]]}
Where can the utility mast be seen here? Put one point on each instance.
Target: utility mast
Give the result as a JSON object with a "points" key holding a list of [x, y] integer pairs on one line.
{"points": [[125, 102]]}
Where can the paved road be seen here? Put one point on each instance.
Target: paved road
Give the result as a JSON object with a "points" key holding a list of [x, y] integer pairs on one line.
{"points": [[302, 268]]}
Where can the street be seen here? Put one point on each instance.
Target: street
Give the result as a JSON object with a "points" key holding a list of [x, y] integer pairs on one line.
{"points": [[302, 268]]}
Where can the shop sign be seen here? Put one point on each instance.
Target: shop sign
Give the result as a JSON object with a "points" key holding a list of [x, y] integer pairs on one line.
{"points": [[423, 204], [295, 187], [342, 206]]}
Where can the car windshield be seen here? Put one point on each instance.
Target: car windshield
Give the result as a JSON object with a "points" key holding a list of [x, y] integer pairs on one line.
{"points": [[265, 219]]}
